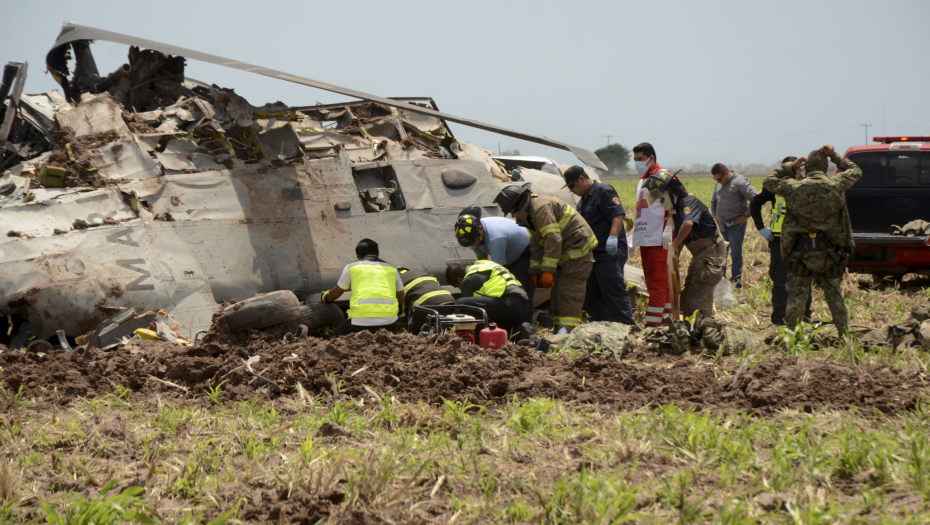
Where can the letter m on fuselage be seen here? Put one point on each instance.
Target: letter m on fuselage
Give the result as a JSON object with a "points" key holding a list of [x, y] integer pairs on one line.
{"points": [[136, 285]]}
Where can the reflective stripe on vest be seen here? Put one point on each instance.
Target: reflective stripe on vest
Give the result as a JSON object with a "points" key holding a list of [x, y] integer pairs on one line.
{"points": [[500, 278], [374, 289], [434, 293], [417, 281], [557, 226], [778, 214]]}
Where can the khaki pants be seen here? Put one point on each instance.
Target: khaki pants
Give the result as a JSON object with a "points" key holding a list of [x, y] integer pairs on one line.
{"points": [[708, 264], [567, 298]]}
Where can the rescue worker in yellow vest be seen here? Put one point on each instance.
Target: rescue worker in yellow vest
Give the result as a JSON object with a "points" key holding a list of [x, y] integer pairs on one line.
{"points": [[377, 292], [561, 244], [494, 289], [421, 289], [778, 269]]}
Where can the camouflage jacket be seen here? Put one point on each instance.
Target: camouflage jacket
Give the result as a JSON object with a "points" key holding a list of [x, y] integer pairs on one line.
{"points": [[816, 204], [558, 233]]}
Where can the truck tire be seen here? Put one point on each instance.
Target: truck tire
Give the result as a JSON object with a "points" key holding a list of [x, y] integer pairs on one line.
{"points": [[315, 316], [263, 311]]}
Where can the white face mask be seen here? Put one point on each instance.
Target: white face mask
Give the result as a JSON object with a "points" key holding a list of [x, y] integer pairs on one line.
{"points": [[641, 167]]}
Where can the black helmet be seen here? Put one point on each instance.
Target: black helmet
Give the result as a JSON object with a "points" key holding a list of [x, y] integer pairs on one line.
{"points": [[662, 182], [512, 197], [466, 230]]}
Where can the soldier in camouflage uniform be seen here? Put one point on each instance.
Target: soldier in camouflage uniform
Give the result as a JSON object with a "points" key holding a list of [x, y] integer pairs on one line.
{"points": [[816, 234]]}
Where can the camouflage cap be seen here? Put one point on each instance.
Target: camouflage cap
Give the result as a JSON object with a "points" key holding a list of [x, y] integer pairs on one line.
{"points": [[817, 161]]}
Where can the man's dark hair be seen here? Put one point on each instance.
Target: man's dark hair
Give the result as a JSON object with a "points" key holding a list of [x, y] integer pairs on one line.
{"points": [[454, 272], [366, 247], [788, 159], [646, 149], [718, 169]]}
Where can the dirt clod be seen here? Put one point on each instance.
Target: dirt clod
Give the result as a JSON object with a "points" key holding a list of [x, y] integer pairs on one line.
{"points": [[330, 429]]}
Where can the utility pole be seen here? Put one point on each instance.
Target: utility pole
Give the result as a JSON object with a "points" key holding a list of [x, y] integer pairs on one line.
{"points": [[866, 126], [608, 139]]}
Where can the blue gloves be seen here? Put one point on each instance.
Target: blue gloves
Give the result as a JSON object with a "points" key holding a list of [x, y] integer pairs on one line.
{"points": [[767, 234], [612, 245]]}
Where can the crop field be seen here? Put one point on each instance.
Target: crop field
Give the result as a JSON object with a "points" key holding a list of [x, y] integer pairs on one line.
{"points": [[393, 429]]}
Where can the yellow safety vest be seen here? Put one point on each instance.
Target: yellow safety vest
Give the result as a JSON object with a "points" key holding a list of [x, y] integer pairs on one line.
{"points": [[374, 289], [427, 295], [500, 278], [778, 214]]}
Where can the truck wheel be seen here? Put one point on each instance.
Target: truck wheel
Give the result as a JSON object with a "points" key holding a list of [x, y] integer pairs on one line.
{"points": [[315, 316], [263, 311]]}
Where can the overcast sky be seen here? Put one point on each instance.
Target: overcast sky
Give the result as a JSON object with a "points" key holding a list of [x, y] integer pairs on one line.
{"points": [[704, 82]]}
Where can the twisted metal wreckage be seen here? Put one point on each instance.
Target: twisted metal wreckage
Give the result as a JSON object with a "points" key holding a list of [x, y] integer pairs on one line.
{"points": [[145, 190]]}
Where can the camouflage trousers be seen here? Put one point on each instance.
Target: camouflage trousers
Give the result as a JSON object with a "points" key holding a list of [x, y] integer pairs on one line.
{"points": [[708, 264], [567, 298], [799, 289]]}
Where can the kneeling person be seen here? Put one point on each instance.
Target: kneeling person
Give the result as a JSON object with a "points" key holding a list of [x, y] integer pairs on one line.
{"points": [[377, 292], [494, 289], [697, 230], [421, 289]]}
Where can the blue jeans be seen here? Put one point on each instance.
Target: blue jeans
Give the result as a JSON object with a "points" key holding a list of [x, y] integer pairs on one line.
{"points": [[735, 235]]}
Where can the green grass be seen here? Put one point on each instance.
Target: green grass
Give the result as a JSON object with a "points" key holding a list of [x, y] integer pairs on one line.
{"points": [[532, 461]]}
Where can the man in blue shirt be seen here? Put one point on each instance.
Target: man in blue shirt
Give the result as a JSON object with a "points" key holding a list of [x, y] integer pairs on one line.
{"points": [[606, 295], [499, 239]]}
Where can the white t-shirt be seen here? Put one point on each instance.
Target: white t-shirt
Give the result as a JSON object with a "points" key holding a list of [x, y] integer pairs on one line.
{"points": [[345, 282], [649, 220]]}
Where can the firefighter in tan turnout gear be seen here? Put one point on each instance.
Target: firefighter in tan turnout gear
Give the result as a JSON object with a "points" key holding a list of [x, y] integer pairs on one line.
{"points": [[561, 244]]}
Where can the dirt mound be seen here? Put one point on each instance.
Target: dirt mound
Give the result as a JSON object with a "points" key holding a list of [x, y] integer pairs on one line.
{"points": [[421, 369], [278, 505]]}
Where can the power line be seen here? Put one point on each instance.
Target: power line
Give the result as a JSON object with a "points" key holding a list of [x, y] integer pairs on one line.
{"points": [[866, 126], [608, 139]]}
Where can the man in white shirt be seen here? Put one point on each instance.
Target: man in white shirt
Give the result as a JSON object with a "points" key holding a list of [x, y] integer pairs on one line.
{"points": [[653, 235], [377, 292]]}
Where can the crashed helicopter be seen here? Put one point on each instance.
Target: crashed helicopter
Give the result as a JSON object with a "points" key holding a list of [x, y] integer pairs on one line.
{"points": [[146, 190]]}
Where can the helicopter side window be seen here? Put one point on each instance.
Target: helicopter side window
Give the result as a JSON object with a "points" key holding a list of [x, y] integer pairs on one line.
{"points": [[378, 189]]}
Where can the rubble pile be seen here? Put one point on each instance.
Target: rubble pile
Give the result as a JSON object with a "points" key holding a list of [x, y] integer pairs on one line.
{"points": [[146, 120]]}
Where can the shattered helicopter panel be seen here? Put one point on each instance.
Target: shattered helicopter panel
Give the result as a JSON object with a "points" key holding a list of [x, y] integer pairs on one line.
{"points": [[209, 199]]}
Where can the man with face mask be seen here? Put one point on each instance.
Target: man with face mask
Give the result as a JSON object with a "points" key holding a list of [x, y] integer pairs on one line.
{"points": [[697, 230], [561, 243], [816, 233], [653, 236]]}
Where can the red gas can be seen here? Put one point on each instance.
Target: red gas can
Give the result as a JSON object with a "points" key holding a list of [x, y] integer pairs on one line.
{"points": [[493, 337]]}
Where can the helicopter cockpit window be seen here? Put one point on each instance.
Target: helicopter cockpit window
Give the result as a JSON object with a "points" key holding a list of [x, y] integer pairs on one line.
{"points": [[378, 189]]}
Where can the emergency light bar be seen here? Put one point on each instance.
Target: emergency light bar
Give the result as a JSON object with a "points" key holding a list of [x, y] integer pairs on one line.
{"points": [[889, 140]]}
